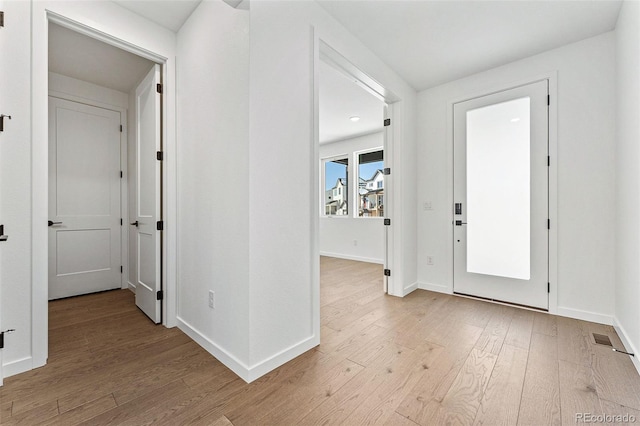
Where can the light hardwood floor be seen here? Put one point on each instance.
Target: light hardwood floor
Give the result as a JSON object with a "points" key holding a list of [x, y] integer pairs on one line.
{"points": [[426, 359]]}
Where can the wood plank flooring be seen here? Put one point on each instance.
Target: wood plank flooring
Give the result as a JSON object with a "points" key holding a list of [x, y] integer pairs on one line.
{"points": [[426, 359]]}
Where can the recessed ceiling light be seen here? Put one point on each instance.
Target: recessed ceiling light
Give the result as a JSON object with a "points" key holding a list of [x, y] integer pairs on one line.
{"points": [[354, 118], [515, 120]]}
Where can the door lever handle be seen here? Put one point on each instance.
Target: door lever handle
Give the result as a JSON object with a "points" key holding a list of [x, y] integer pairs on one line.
{"points": [[135, 224], [51, 223], [2, 236]]}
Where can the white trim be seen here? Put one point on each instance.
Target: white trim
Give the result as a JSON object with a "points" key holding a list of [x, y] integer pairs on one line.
{"points": [[316, 202], [332, 57], [245, 372], [584, 315], [94, 33], [627, 343], [552, 77], [438, 288], [230, 361], [350, 257], [18, 366], [265, 366], [131, 286], [409, 289]]}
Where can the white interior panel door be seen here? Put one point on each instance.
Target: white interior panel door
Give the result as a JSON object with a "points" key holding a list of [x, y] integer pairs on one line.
{"points": [[84, 199], [501, 196], [148, 196]]}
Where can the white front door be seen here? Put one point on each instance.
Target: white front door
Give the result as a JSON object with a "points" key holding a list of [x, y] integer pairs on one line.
{"points": [[84, 199], [148, 196], [500, 220]]}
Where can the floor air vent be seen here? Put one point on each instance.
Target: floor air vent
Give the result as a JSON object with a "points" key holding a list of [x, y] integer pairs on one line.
{"points": [[601, 339]]}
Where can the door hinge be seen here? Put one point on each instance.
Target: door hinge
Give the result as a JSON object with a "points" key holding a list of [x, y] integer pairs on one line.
{"points": [[1, 19], [160, 225], [387, 122], [120, 221], [386, 171], [160, 295], [548, 161], [387, 272], [121, 128], [2, 336], [548, 100], [159, 88], [121, 174], [387, 222], [548, 287], [159, 155], [121, 269], [548, 223]]}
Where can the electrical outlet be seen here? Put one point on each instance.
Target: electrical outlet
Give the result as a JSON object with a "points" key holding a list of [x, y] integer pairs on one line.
{"points": [[355, 242], [212, 300], [427, 205], [429, 260]]}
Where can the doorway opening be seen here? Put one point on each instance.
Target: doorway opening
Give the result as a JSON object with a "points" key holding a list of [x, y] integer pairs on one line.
{"points": [[353, 179], [105, 171]]}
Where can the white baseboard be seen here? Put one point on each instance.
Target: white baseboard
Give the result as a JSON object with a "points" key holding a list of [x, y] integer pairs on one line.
{"points": [[350, 257], [585, 315], [409, 289], [131, 286], [233, 363], [629, 347], [16, 367], [260, 369], [246, 373], [438, 288]]}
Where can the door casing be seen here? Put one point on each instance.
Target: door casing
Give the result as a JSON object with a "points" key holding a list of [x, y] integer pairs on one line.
{"points": [[66, 16]]}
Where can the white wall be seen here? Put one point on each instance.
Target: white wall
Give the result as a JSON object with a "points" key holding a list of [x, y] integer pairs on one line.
{"points": [[213, 180], [585, 164], [338, 233], [628, 175], [283, 254]]}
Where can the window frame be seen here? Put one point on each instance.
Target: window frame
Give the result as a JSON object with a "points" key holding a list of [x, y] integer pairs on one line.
{"points": [[323, 161], [356, 195]]}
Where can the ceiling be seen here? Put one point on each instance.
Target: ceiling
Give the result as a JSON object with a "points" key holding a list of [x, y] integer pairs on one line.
{"points": [[427, 42], [82, 57], [340, 99], [432, 42], [170, 14]]}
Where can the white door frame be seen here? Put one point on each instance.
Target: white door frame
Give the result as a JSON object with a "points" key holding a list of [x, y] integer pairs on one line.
{"points": [[41, 18], [322, 51], [552, 77]]}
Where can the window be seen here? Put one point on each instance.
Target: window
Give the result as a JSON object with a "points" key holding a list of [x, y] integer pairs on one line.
{"points": [[370, 184], [336, 186]]}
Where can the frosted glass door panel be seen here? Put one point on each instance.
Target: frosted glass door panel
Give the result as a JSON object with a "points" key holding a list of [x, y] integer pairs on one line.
{"points": [[499, 190]]}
